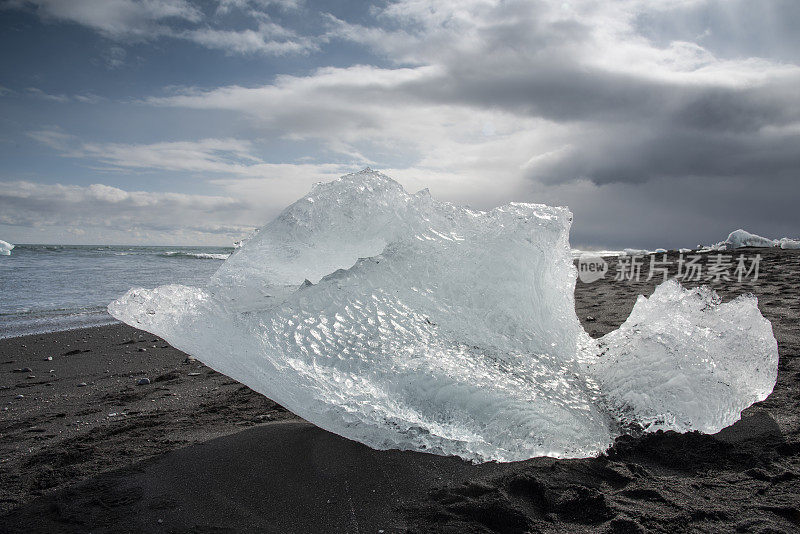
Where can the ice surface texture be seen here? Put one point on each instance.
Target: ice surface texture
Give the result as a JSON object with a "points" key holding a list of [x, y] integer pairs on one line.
{"points": [[403, 322], [5, 248], [685, 361]]}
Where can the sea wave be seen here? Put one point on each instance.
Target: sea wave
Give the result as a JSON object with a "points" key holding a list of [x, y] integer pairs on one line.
{"points": [[177, 254], [38, 321], [195, 255]]}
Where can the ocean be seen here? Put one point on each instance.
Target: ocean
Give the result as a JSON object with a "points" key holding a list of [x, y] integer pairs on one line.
{"points": [[48, 288]]}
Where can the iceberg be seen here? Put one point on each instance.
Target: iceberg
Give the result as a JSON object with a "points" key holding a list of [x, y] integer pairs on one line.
{"points": [[5, 248], [786, 243], [403, 322], [741, 238]]}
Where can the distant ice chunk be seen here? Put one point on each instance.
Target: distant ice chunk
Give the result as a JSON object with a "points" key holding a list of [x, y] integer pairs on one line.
{"points": [[741, 238], [635, 252], [403, 322], [787, 243], [5, 248]]}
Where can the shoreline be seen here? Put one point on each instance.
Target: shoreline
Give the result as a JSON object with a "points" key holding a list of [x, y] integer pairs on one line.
{"points": [[111, 322]]}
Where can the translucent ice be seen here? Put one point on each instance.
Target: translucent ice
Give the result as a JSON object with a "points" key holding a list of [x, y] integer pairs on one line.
{"points": [[403, 322], [5, 248], [685, 361]]}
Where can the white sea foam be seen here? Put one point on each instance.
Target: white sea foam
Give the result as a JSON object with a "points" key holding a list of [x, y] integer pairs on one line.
{"points": [[403, 322], [196, 255]]}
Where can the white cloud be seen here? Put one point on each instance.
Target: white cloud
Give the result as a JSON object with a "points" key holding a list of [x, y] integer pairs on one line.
{"points": [[32, 211], [363, 114], [148, 20], [228, 156], [46, 96], [115, 57], [269, 39], [226, 6], [106, 212], [84, 98], [564, 85], [119, 18], [254, 191]]}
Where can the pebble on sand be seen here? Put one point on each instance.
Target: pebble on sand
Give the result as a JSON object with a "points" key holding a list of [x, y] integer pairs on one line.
{"points": [[143, 382], [82, 385]]}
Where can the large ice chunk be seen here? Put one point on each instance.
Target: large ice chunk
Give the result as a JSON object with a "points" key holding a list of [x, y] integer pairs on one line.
{"points": [[5, 248], [403, 322]]}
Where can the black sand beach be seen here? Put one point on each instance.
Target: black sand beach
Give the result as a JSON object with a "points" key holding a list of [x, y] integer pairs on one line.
{"points": [[84, 448]]}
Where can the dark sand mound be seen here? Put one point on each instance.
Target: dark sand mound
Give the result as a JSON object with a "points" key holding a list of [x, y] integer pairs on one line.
{"points": [[289, 476], [282, 477], [82, 413]]}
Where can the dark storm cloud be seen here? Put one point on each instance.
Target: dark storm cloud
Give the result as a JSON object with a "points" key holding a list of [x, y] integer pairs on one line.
{"points": [[640, 155], [681, 212], [641, 126]]}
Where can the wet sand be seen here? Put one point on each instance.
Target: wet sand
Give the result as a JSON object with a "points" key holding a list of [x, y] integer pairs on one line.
{"points": [[87, 449]]}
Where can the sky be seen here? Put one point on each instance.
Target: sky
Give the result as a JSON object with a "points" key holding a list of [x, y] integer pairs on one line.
{"points": [[659, 123]]}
